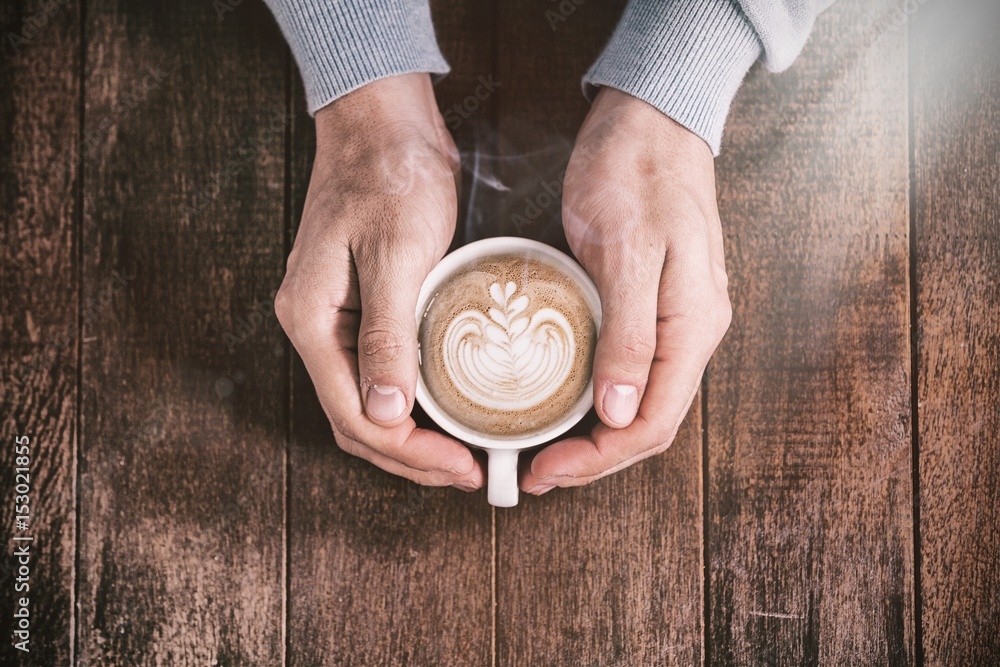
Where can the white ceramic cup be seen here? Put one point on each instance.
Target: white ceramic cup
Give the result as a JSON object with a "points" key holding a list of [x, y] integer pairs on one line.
{"points": [[503, 452]]}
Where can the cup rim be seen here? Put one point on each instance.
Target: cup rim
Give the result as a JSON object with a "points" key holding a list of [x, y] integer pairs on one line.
{"points": [[482, 248]]}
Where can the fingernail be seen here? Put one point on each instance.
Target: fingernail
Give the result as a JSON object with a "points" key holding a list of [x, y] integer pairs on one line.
{"points": [[385, 404], [539, 489], [621, 402], [468, 488]]}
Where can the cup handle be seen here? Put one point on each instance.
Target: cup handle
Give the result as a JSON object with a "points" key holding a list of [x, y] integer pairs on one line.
{"points": [[501, 488]]}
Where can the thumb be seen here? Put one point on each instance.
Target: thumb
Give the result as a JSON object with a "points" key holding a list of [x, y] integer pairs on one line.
{"points": [[627, 339], [387, 337]]}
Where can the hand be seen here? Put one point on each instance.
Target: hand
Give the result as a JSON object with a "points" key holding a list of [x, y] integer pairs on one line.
{"points": [[639, 212], [379, 214]]}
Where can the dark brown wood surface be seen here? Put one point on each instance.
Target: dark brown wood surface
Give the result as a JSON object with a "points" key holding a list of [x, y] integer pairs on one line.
{"points": [[183, 411], [381, 571], [610, 574], [39, 335], [956, 138], [809, 486], [832, 499]]}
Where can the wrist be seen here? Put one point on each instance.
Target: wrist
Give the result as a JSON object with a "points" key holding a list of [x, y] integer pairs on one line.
{"points": [[687, 58], [385, 113], [618, 120]]}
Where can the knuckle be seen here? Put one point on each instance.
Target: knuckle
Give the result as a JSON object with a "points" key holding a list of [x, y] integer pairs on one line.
{"points": [[665, 440], [660, 448], [721, 277], [339, 424], [346, 444], [723, 315], [634, 347], [381, 346], [286, 306], [393, 448], [298, 312]]}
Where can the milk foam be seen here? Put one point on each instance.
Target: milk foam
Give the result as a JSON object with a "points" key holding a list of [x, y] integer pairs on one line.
{"points": [[509, 360], [506, 345]]}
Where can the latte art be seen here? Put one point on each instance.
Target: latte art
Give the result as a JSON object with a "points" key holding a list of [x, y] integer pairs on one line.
{"points": [[506, 345], [509, 360]]}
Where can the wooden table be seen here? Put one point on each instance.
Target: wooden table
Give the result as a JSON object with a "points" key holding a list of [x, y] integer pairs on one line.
{"points": [[833, 497]]}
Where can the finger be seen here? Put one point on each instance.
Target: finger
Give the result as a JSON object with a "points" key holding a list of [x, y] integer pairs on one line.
{"points": [[389, 277], [324, 344], [628, 284], [684, 345], [418, 438], [582, 460]]}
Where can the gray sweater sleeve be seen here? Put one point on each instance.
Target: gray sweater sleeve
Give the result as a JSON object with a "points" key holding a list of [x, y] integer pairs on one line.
{"points": [[685, 57], [340, 45], [688, 58]]}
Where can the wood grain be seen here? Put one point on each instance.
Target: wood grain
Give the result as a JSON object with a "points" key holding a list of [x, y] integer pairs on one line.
{"points": [[810, 505], [184, 374], [382, 571], [609, 574], [956, 135], [39, 129], [180, 193]]}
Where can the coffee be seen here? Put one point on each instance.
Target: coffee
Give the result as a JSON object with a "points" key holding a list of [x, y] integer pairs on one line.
{"points": [[507, 344]]}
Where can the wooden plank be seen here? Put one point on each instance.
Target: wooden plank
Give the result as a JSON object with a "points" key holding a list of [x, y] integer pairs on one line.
{"points": [[956, 88], [40, 74], [609, 574], [184, 380], [382, 571], [810, 505], [469, 102]]}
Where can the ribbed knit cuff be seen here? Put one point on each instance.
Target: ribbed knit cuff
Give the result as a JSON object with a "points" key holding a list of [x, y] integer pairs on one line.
{"points": [[685, 57], [341, 45]]}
